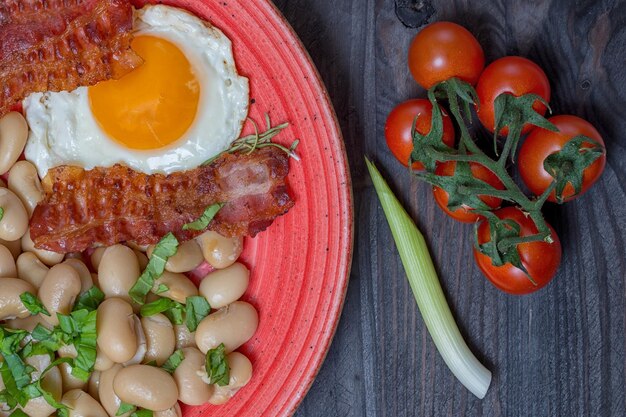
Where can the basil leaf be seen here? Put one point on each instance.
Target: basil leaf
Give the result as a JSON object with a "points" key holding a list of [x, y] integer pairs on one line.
{"points": [[156, 307], [67, 324], [125, 408], [18, 413], [166, 247], [173, 310], [196, 308], [31, 391], [33, 304], [12, 394], [90, 300], [203, 221], [175, 314], [161, 289], [44, 341], [217, 367], [86, 347], [173, 361], [80, 329]]}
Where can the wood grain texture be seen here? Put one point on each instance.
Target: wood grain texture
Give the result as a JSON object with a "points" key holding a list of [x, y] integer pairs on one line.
{"points": [[559, 352]]}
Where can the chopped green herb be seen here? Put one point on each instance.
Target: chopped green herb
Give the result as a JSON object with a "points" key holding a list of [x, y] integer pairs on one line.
{"points": [[89, 300], [173, 310], [156, 307], [18, 413], [196, 308], [217, 366], [203, 221], [125, 408], [161, 289], [33, 304], [14, 369], [44, 341], [80, 328], [173, 361], [1, 213], [166, 247]]}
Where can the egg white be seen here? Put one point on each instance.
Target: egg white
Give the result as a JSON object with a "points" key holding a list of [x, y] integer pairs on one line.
{"points": [[64, 130]]}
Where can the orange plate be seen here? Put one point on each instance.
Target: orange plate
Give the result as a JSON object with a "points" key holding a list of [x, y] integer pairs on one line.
{"points": [[300, 265]]}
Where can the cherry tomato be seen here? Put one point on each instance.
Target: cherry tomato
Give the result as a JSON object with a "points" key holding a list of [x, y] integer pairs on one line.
{"points": [[540, 143], [464, 214], [514, 75], [400, 124], [444, 50], [541, 259]]}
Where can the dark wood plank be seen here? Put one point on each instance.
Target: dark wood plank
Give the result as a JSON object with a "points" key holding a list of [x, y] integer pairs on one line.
{"points": [[559, 352]]}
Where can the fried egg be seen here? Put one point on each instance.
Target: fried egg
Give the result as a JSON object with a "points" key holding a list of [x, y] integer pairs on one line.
{"points": [[185, 104]]}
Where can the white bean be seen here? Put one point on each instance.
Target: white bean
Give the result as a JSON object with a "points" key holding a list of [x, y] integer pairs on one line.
{"points": [[118, 271], [225, 286], [160, 338], [15, 246], [14, 222], [179, 286], [58, 291], [232, 325], [146, 386], [191, 388], [7, 263], [116, 330], [11, 305], [220, 251], [108, 399], [81, 404], [31, 269], [86, 282], [13, 135], [70, 382], [24, 182]]}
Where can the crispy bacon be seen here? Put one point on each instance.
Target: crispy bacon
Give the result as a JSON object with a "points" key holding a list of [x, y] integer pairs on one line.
{"points": [[55, 45], [105, 206]]}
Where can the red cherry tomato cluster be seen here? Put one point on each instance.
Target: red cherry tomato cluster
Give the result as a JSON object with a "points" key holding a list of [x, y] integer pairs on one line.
{"points": [[559, 159]]}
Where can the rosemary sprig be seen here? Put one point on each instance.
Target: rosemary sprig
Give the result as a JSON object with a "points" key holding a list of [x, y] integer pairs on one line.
{"points": [[258, 140]]}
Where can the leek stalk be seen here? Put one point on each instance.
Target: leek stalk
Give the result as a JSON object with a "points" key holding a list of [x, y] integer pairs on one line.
{"points": [[431, 301]]}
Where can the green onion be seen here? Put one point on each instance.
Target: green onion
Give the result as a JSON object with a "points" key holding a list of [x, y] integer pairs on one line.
{"points": [[428, 293]]}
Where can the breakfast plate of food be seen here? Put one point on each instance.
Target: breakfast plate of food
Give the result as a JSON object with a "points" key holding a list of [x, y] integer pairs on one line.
{"points": [[175, 210]]}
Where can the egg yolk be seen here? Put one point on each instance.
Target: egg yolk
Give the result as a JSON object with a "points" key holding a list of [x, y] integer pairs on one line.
{"points": [[155, 104]]}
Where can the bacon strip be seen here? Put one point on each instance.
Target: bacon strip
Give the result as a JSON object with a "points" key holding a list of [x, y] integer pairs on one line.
{"points": [[55, 45], [105, 206]]}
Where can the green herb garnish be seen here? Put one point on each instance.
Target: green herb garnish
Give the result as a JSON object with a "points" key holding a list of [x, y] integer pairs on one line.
{"points": [[33, 304], [80, 329], [172, 309], [173, 361], [196, 308], [257, 140], [217, 367], [89, 300], [166, 247], [203, 221]]}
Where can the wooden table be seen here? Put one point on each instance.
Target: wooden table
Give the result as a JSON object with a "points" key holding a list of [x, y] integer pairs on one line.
{"points": [[559, 352]]}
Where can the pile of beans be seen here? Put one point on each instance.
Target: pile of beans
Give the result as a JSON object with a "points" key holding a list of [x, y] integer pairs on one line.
{"points": [[126, 342]]}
